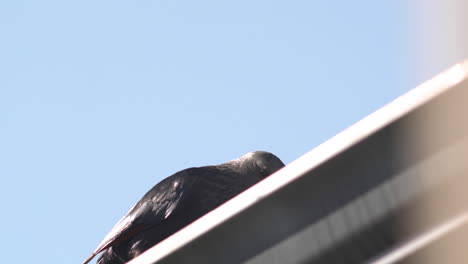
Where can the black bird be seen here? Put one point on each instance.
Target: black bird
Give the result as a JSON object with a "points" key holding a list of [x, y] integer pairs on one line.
{"points": [[180, 199]]}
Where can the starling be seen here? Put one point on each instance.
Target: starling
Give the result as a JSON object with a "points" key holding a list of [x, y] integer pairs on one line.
{"points": [[179, 200]]}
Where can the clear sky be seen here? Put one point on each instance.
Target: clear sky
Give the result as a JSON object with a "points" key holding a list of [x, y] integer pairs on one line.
{"points": [[100, 100]]}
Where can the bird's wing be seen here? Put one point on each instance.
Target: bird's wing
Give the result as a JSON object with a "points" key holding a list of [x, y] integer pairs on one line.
{"points": [[153, 208]]}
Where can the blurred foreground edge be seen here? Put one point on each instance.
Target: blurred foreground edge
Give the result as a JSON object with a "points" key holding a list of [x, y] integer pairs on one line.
{"points": [[369, 194]]}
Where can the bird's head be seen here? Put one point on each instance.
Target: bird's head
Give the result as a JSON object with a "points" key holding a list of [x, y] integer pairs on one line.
{"points": [[262, 162]]}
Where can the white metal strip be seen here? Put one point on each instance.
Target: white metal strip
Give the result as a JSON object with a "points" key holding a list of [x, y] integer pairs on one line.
{"points": [[350, 136]]}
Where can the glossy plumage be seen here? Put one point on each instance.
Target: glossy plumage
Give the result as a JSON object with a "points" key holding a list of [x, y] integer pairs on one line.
{"points": [[179, 200]]}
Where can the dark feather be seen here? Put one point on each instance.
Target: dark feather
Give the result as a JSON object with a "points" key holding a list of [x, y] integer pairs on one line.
{"points": [[179, 200]]}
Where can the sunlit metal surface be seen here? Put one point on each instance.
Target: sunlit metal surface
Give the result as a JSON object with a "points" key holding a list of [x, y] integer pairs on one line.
{"points": [[350, 199]]}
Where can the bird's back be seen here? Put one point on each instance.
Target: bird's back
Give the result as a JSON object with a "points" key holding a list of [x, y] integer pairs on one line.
{"points": [[179, 200], [173, 204]]}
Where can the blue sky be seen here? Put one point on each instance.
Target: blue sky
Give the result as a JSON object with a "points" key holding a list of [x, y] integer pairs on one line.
{"points": [[100, 100]]}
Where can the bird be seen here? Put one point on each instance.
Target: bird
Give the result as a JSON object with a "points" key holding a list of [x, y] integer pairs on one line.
{"points": [[180, 199]]}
